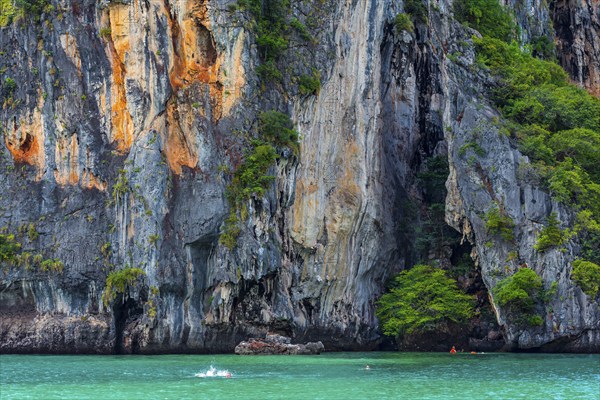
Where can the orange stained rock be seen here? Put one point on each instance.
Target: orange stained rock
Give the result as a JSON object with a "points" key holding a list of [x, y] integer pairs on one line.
{"points": [[68, 169], [195, 57], [180, 146], [25, 141], [194, 61], [119, 45]]}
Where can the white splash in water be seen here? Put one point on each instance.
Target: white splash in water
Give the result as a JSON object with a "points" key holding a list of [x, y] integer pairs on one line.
{"points": [[212, 372]]}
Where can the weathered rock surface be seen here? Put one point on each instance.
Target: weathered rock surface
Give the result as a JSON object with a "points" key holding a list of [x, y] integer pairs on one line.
{"points": [[127, 113], [277, 344], [577, 27]]}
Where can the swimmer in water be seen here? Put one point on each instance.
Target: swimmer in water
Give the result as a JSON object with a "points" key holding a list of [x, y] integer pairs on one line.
{"points": [[367, 366], [228, 375]]}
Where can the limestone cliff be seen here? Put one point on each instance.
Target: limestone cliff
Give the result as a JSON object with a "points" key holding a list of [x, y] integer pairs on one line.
{"points": [[127, 115]]}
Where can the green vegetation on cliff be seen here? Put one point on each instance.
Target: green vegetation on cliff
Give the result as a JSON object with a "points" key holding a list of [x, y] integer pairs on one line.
{"points": [[499, 223], [11, 254], [551, 235], [8, 248], [586, 275], [13, 10], [275, 130], [118, 282], [555, 123], [274, 27], [557, 126], [520, 293], [486, 16], [420, 300]]}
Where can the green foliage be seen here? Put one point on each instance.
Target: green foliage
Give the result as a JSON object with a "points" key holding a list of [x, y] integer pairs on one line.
{"points": [[9, 248], [520, 293], [301, 29], [434, 177], [402, 22], [13, 10], [498, 223], [420, 300], [570, 184], [555, 108], [153, 239], [558, 127], [273, 31], [278, 129], [417, 9], [551, 235], [519, 71], [231, 230], [580, 144], [268, 71], [586, 275], [105, 32], [251, 178], [32, 233], [8, 88], [9, 12], [544, 48], [52, 265], [310, 84], [118, 282], [477, 149], [486, 16], [11, 255], [121, 186]]}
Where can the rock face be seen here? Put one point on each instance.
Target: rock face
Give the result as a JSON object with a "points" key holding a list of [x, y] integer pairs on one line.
{"points": [[126, 115], [577, 27], [277, 344]]}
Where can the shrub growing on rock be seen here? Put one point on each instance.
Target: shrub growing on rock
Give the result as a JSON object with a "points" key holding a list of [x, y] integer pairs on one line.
{"points": [[520, 293], [551, 235], [8, 248], [486, 16], [586, 275], [498, 223], [118, 282], [402, 22], [420, 299]]}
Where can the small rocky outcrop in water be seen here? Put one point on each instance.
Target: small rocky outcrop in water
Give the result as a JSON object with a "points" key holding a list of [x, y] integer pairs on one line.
{"points": [[277, 344]]}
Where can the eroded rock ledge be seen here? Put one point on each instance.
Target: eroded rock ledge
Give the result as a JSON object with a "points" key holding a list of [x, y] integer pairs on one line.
{"points": [[277, 344]]}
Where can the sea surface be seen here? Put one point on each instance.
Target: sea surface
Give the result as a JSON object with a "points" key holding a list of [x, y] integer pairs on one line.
{"points": [[327, 376]]}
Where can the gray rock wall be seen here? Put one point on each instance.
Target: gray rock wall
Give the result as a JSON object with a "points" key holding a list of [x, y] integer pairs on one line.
{"points": [[128, 114]]}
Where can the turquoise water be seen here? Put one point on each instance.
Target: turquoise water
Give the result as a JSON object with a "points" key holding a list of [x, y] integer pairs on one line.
{"points": [[328, 376]]}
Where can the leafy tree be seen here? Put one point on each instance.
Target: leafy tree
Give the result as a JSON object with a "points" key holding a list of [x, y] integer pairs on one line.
{"points": [[416, 9], [570, 184], [277, 128], [558, 127], [498, 223], [310, 84], [402, 22], [520, 293], [8, 248], [486, 16], [579, 144], [118, 282], [586, 275], [551, 235], [251, 177], [421, 299]]}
